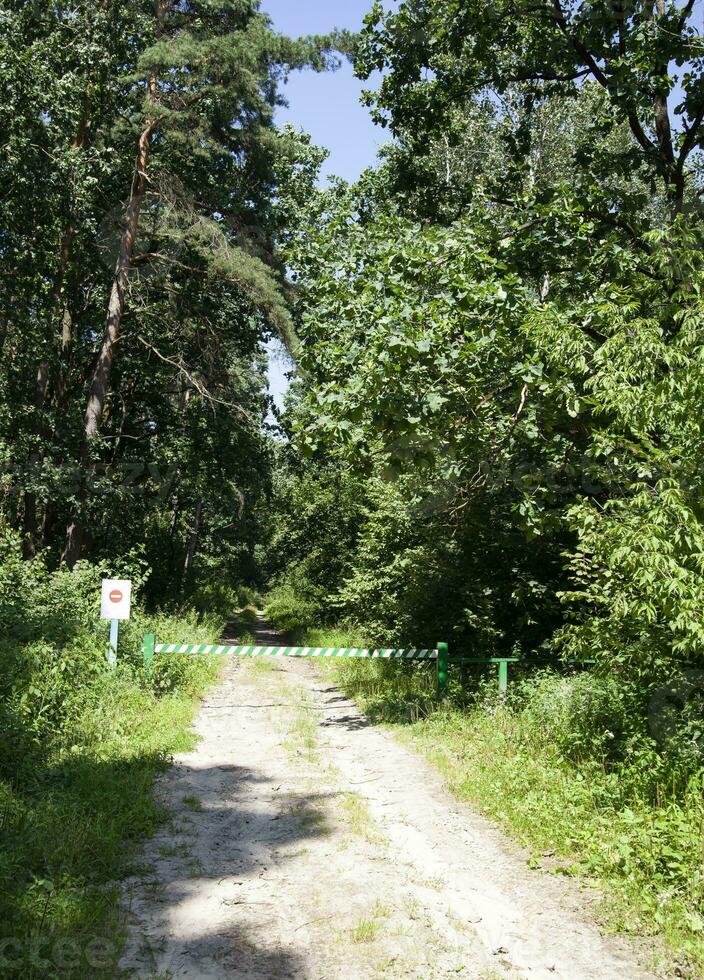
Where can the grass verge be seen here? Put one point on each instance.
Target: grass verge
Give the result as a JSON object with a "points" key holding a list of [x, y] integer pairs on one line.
{"points": [[578, 812], [76, 799]]}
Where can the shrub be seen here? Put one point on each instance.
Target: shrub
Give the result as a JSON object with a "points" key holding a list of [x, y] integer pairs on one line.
{"points": [[295, 607], [79, 746]]}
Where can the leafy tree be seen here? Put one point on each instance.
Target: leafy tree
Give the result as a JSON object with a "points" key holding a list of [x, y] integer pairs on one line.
{"points": [[144, 277], [513, 344], [437, 55]]}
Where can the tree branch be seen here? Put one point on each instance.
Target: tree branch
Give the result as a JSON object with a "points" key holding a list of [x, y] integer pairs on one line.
{"points": [[602, 77], [690, 139], [197, 385]]}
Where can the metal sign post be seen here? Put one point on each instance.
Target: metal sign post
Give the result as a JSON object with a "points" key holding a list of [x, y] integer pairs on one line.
{"points": [[115, 602], [112, 649]]}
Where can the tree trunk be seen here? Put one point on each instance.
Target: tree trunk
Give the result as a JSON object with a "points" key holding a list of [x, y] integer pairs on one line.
{"points": [[62, 382], [192, 541], [673, 176], [29, 501], [175, 512], [116, 304], [48, 521], [30, 523], [73, 544]]}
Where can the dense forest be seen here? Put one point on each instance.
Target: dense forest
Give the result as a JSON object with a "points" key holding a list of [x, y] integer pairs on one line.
{"points": [[494, 430], [497, 429], [145, 189]]}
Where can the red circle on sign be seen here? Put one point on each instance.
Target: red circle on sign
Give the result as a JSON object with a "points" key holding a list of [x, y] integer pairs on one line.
{"points": [[115, 596]]}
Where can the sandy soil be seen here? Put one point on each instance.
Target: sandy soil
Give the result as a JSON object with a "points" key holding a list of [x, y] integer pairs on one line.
{"points": [[305, 842]]}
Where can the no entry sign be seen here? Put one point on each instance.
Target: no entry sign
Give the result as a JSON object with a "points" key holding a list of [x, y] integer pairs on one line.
{"points": [[115, 599]]}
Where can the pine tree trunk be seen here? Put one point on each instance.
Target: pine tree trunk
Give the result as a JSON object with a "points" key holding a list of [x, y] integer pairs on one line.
{"points": [[116, 303], [92, 420]]}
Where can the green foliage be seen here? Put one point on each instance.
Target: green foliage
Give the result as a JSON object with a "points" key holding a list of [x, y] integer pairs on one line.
{"points": [[312, 528], [516, 407], [294, 606], [638, 571], [439, 56], [183, 455], [79, 749]]}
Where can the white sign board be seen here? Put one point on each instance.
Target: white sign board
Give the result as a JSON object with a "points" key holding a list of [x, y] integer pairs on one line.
{"points": [[115, 599]]}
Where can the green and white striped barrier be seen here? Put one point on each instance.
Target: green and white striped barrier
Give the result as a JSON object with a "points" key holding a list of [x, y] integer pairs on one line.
{"points": [[439, 654], [250, 651]]}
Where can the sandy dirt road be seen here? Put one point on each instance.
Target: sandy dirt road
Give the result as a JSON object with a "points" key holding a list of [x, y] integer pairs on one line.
{"points": [[305, 842]]}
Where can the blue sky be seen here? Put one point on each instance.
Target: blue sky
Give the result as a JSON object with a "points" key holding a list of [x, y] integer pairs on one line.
{"points": [[325, 105]]}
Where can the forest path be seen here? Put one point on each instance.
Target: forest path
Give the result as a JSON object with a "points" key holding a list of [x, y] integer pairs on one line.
{"points": [[306, 842]]}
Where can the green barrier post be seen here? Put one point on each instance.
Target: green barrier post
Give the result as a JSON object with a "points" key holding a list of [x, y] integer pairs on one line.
{"points": [[443, 663], [148, 651], [503, 677]]}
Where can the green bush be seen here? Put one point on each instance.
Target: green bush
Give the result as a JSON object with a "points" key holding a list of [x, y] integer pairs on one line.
{"points": [[216, 597], [79, 747], [295, 606], [585, 717]]}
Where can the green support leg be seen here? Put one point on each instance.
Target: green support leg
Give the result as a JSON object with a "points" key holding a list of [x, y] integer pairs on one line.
{"points": [[442, 665], [503, 677], [148, 651]]}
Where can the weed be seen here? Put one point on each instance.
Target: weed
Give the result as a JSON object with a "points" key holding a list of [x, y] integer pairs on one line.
{"points": [[358, 819], [368, 928], [175, 850], [309, 815], [303, 729], [193, 803], [194, 868]]}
